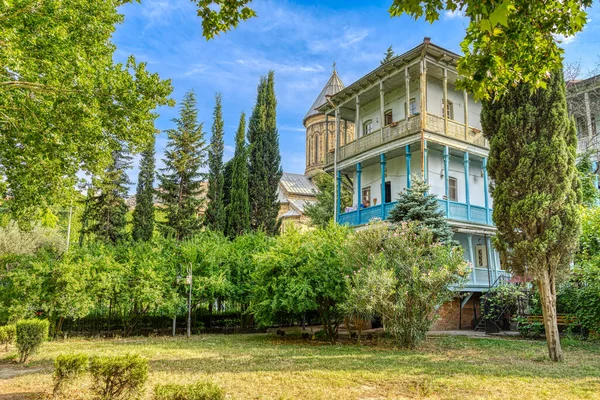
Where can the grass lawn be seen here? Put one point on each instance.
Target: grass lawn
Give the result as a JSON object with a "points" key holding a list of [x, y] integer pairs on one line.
{"points": [[268, 367]]}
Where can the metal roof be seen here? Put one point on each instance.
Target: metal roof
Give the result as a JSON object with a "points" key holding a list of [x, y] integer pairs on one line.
{"points": [[297, 184], [333, 85]]}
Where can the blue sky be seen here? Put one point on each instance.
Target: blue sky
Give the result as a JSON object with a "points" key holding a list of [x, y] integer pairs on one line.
{"points": [[299, 40]]}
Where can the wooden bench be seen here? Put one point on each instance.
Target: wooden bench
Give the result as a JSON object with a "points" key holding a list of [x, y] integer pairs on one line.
{"points": [[561, 319]]}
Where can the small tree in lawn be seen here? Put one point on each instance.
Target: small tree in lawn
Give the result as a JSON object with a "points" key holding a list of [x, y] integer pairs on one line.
{"points": [[536, 191], [415, 204]]}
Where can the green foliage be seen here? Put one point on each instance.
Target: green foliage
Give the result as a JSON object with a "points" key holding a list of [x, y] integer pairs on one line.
{"points": [[529, 329], [143, 214], [507, 41], [388, 55], [587, 177], [8, 333], [120, 377], [238, 207], [215, 218], [415, 204], [303, 272], [538, 219], [264, 159], [180, 181], [68, 367], [581, 294], [65, 104], [31, 333], [222, 15], [105, 212], [321, 212], [502, 300], [197, 391], [589, 241], [20, 242], [409, 274]]}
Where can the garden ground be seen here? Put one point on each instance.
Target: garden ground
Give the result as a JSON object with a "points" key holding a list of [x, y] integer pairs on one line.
{"points": [[269, 367]]}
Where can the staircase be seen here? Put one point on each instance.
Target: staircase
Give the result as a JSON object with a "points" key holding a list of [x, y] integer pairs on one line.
{"points": [[492, 325]]}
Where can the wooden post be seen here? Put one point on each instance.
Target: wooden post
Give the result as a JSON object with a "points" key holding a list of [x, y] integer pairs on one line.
{"points": [[446, 101], [407, 102], [381, 110], [326, 135], [357, 124], [423, 93], [466, 101]]}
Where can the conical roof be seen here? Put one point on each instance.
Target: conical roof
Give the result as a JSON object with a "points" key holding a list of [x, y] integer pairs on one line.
{"points": [[333, 86]]}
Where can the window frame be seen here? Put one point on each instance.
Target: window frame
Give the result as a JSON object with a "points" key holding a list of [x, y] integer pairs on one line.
{"points": [[366, 189], [388, 192], [450, 110], [452, 179], [385, 117], [365, 130], [412, 102]]}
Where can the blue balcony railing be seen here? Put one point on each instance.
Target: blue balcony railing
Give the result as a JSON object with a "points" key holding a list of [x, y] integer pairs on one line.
{"points": [[457, 211]]}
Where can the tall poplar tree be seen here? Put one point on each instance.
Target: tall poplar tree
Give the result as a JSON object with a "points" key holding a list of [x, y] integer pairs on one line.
{"points": [[536, 193], [106, 209], [181, 179], [143, 214], [238, 210], [264, 159], [215, 218]]}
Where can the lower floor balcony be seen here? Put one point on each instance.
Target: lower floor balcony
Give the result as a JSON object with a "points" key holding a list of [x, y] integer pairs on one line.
{"points": [[452, 209]]}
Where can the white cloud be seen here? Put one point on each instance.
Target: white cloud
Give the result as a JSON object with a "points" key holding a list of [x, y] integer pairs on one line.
{"points": [[454, 14]]}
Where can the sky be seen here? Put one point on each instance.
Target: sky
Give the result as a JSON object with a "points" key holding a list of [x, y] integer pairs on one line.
{"points": [[299, 40]]}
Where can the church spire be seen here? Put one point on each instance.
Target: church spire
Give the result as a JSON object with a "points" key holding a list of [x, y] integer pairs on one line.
{"points": [[333, 85]]}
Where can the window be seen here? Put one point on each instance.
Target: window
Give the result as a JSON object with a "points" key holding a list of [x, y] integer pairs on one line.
{"points": [[481, 256], [367, 127], [412, 106], [387, 118], [366, 197], [388, 192], [450, 112], [581, 126], [452, 189], [316, 148]]}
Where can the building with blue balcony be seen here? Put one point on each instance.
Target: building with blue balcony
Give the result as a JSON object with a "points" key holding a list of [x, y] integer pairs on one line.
{"points": [[404, 119]]}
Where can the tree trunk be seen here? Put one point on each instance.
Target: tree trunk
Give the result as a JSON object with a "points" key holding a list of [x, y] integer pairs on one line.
{"points": [[547, 288]]}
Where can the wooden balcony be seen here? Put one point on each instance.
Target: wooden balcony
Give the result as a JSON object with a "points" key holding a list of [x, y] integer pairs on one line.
{"points": [[401, 129], [586, 143]]}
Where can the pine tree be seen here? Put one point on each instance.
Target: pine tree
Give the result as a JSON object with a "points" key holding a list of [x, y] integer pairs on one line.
{"points": [[181, 180], [143, 214], [238, 210], [321, 211], [215, 218], [415, 204], [388, 55], [106, 210], [264, 159], [533, 146]]}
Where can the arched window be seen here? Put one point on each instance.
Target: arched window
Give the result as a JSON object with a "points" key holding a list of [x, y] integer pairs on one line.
{"points": [[317, 148]]}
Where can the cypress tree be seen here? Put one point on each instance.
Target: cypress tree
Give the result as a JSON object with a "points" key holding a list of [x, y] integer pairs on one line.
{"points": [[143, 214], [533, 147], [227, 182], [321, 211], [106, 209], [238, 211], [415, 204], [215, 218], [387, 56], [264, 159], [181, 180]]}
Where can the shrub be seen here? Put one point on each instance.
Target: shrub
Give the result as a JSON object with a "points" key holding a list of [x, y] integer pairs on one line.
{"points": [[501, 303], [31, 333], [120, 377], [197, 391], [67, 367], [7, 335], [408, 274], [529, 329]]}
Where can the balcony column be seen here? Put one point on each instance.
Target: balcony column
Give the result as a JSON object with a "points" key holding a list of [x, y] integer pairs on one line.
{"points": [[468, 198], [471, 256], [466, 101], [588, 114], [407, 83], [446, 183], [382, 163], [488, 250], [357, 124], [423, 111], [358, 192], [486, 194], [381, 110], [338, 203], [425, 162], [408, 155], [445, 101], [335, 158]]}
